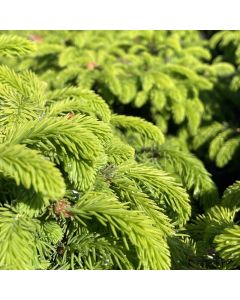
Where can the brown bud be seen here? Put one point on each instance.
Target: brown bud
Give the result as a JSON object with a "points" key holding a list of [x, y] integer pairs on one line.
{"points": [[60, 250], [60, 208], [36, 38], [70, 115], [91, 65]]}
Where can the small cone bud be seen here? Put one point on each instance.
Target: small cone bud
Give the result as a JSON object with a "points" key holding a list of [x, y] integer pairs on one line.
{"points": [[60, 208], [70, 115], [36, 38], [91, 65]]}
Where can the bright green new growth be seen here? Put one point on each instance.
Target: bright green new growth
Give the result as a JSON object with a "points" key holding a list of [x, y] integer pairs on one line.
{"points": [[88, 181], [69, 179], [31, 170], [224, 143], [166, 70], [15, 45]]}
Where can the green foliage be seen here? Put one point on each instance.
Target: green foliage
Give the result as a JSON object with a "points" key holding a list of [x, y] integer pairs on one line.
{"points": [[227, 244], [145, 130], [14, 45], [162, 187], [167, 70], [149, 243], [224, 142], [189, 170], [17, 239], [231, 196], [77, 100], [29, 169], [112, 144], [63, 160]]}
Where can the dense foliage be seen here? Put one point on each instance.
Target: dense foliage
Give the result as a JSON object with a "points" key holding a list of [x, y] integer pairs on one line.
{"points": [[119, 150]]}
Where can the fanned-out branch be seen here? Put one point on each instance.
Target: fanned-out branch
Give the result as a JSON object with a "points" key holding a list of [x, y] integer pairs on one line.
{"points": [[206, 133], [224, 142], [25, 83], [30, 169], [79, 100], [22, 96], [118, 151], [231, 196], [227, 244], [91, 251], [74, 136], [162, 187], [207, 226], [17, 242], [227, 151], [146, 130], [128, 191], [191, 172], [77, 143], [129, 224], [15, 45]]}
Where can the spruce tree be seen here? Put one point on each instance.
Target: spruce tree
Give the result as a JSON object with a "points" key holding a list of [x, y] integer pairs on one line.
{"points": [[73, 194], [108, 141]]}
